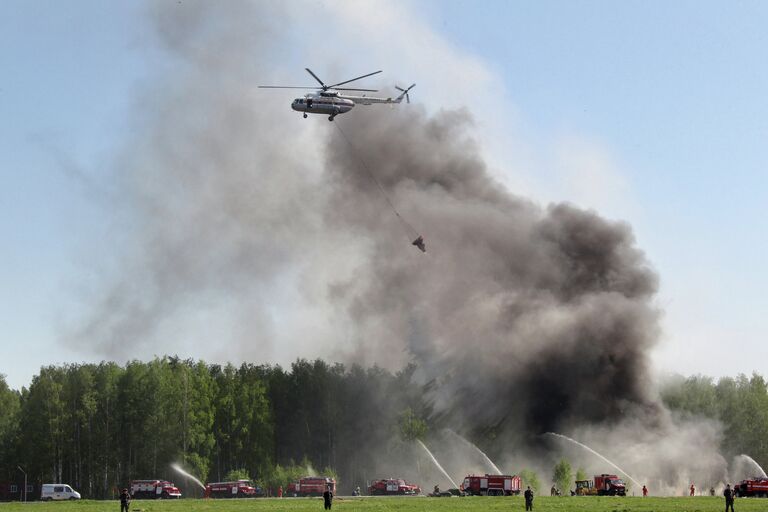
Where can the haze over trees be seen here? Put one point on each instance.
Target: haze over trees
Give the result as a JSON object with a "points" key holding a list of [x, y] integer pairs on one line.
{"points": [[96, 426], [740, 404]]}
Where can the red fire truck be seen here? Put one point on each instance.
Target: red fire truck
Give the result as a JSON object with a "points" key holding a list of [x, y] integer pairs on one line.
{"points": [[757, 486], [392, 486], [153, 489], [610, 485], [311, 486], [491, 485], [238, 489]]}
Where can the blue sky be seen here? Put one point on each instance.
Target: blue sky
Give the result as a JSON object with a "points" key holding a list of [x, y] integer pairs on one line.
{"points": [[664, 102]]}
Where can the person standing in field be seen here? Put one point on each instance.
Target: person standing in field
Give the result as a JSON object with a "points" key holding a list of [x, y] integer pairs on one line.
{"points": [[693, 490], [528, 498], [728, 493], [645, 491], [125, 500], [328, 498]]}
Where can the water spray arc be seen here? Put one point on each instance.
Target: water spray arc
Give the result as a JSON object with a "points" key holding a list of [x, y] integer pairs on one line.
{"points": [[445, 474], [755, 464], [178, 468], [474, 447], [590, 450]]}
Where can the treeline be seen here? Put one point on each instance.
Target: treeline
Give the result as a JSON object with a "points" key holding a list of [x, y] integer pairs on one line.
{"points": [[97, 426], [740, 404]]}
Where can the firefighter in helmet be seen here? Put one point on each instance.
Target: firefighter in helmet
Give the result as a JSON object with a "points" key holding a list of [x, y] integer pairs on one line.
{"points": [[528, 498], [729, 495], [125, 500]]}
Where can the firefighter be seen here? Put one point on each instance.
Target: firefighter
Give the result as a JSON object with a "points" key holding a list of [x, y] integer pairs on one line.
{"points": [[279, 491], [693, 490], [328, 498], [528, 498], [728, 493], [645, 491], [125, 500], [711, 491], [436, 490], [553, 491]]}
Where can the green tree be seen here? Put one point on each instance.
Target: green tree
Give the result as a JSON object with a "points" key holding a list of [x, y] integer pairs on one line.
{"points": [[581, 474], [42, 425], [282, 476], [234, 475], [562, 475], [106, 377], [695, 395], [411, 426], [529, 477], [10, 404]]}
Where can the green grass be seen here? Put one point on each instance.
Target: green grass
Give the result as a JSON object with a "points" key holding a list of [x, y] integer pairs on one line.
{"points": [[479, 504]]}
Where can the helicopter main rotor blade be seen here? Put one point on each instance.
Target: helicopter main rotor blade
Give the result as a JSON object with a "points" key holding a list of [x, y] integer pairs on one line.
{"points": [[315, 77], [352, 80], [347, 89], [286, 87]]}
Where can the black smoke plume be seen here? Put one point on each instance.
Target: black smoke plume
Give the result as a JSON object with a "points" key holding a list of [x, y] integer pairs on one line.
{"points": [[518, 315]]}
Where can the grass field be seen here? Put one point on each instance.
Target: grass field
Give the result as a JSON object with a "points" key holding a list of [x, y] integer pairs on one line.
{"points": [[541, 504]]}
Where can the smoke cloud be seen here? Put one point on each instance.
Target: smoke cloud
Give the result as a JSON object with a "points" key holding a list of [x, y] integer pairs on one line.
{"points": [[260, 233], [548, 309]]}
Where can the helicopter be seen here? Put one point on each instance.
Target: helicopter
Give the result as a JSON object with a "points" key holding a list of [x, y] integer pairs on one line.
{"points": [[328, 100]]}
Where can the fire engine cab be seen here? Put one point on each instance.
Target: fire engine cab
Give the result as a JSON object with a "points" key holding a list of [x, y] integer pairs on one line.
{"points": [[153, 489], [610, 485], [491, 485]]}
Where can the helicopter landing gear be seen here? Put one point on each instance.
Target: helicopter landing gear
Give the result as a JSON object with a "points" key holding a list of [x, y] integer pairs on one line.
{"points": [[305, 115], [330, 118]]}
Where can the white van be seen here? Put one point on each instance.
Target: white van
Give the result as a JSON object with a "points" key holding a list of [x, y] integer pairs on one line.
{"points": [[58, 492]]}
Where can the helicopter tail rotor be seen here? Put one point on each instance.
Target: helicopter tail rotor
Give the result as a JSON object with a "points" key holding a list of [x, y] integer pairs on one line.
{"points": [[404, 93]]}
